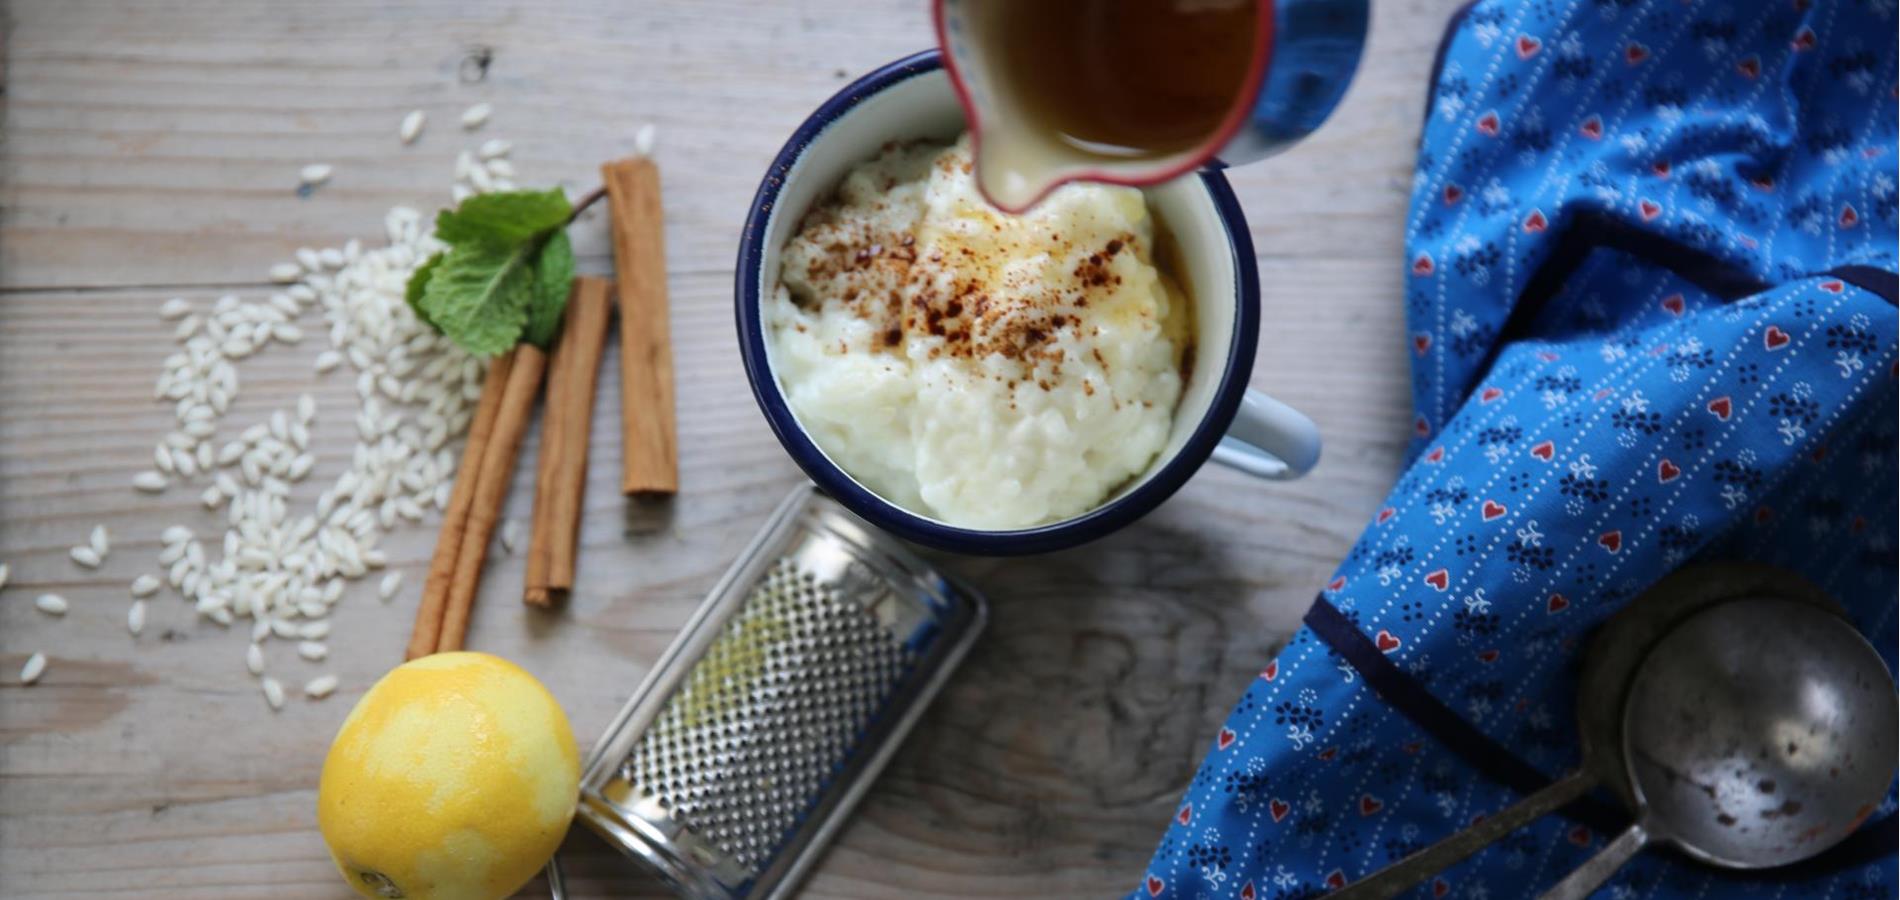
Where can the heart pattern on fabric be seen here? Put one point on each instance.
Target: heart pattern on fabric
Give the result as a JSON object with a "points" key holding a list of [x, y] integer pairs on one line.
{"points": [[1336, 879], [1155, 886], [1607, 335], [1803, 39], [1186, 814], [1580, 836]]}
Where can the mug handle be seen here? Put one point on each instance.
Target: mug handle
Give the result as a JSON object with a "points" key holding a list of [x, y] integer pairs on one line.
{"points": [[1269, 439]]}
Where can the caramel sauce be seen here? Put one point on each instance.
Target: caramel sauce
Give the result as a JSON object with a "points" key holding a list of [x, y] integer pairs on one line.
{"points": [[1122, 79]]}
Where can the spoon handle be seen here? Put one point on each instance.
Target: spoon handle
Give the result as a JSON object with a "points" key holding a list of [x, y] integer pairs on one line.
{"points": [[1598, 869], [1400, 876]]}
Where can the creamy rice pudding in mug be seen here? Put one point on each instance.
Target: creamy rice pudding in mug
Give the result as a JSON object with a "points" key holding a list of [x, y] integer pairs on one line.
{"points": [[990, 384], [987, 370]]}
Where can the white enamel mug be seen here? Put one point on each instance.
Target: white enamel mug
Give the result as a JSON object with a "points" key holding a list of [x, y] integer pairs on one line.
{"points": [[1218, 416]]}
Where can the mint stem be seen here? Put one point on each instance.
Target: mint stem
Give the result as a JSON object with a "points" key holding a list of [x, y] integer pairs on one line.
{"points": [[587, 201]]}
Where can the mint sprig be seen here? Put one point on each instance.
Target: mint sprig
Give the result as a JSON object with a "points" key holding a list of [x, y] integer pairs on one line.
{"points": [[504, 278]]}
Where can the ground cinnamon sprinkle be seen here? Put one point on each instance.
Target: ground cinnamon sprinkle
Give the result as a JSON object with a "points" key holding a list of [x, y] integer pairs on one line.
{"points": [[979, 311]]}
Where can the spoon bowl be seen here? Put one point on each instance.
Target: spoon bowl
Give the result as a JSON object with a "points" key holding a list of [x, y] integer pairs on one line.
{"points": [[1757, 733], [1761, 733]]}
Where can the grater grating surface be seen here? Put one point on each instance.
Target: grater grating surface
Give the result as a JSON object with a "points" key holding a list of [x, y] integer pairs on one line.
{"points": [[784, 695], [768, 715]]}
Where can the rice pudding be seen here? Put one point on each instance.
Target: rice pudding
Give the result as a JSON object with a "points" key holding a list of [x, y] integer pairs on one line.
{"points": [[985, 370]]}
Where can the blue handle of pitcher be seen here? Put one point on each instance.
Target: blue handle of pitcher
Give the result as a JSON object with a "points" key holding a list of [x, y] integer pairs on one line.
{"points": [[1316, 49]]}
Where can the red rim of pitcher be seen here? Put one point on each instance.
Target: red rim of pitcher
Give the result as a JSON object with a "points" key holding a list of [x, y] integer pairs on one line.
{"points": [[1202, 154]]}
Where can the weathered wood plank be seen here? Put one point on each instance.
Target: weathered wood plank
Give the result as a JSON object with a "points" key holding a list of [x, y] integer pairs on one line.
{"points": [[156, 144]]}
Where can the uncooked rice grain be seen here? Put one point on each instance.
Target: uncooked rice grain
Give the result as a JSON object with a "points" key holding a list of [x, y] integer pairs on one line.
{"points": [[273, 693], [34, 668], [51, 604], [314, 174], [411, 126], [319, 687], [135, 618], [85, 556], [475, 116]]}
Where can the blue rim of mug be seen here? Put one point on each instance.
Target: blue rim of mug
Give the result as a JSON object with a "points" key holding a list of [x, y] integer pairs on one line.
{"points": [[1096, 523]]}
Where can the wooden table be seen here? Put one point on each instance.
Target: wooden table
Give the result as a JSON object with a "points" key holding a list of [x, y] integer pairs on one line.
{"points": [[150, 148]]}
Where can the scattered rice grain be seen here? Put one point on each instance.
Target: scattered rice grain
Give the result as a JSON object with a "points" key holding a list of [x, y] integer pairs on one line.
{"points": [[34, 668]]}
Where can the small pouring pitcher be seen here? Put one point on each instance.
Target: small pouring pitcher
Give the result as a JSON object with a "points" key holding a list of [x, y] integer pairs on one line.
{"points": [[1304, 54]]}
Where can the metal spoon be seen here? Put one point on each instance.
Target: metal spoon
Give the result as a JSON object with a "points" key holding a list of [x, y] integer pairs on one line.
{"points": [[1617, 648], [1758, 733]]}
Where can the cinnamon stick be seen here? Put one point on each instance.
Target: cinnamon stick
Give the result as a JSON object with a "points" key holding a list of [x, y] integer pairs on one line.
{"points": [[649, 455], [565, 433], [535, 581], [491, 488], [435, 589]]}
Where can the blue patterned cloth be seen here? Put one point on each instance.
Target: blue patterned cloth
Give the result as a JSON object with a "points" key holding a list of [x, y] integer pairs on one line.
{"points": [[1650, 294]]}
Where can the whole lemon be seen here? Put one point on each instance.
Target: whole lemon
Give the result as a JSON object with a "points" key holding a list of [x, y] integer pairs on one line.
{"points": [[454, 777]]}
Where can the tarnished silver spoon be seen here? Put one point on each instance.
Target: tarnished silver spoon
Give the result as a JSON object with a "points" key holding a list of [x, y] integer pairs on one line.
{"points": [[1757, 733]]}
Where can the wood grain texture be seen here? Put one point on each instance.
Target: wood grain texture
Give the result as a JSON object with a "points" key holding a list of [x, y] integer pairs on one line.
{"points": [[151, 149]]}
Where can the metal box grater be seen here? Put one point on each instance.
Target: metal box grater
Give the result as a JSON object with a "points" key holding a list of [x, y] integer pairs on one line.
{"points": [[770, 715]]}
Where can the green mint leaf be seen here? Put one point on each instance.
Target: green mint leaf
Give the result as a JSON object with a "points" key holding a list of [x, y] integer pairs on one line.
{"points": [[418, 282], [479, 295], [509, 217], [553, 278]]}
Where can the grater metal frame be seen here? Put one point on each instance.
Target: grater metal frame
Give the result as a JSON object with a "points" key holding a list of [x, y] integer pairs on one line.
{"points": [[696, 866]]}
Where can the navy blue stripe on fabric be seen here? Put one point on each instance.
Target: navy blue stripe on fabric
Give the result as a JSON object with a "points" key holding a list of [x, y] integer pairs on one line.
{"points": [[1404, 694], [1412, 700], [1879, 282]]}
